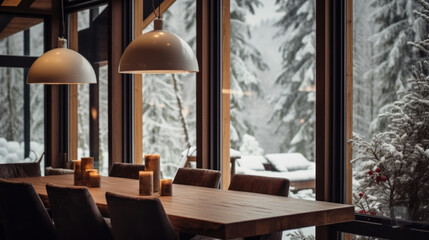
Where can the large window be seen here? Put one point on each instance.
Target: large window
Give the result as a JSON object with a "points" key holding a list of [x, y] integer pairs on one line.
{"points": [[92, 99], [390, 126], [169, 100], [272, 93], [22, 105]]}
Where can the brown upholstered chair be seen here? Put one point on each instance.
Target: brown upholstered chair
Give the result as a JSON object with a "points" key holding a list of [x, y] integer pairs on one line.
{"points": [[22, 213], [264, 185], [15, 170], [126, 170], [76, 215], [138, 218], [197, 177]]}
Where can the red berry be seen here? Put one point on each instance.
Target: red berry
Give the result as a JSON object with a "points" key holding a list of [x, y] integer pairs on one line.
{"points": [[370, 172], [372, 213], [378, 170], [360, 194], [383, 179], [378, 178]]}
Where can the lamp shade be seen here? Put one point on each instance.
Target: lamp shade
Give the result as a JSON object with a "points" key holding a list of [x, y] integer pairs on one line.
{"points": [[61, 66], [158, 51]]}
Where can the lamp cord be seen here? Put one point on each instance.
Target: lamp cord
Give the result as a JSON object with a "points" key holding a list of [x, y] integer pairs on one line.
{"points": [[63, 32], [154, 10]]}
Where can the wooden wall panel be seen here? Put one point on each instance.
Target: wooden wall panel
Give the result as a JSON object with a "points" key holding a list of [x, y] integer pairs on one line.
{"points": [[73, 93], [226, 74], [138, 90], [349, 99]]}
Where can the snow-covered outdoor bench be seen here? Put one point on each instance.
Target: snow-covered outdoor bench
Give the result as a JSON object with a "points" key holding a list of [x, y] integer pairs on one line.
{"points": [[293, 166], [191, 158]]}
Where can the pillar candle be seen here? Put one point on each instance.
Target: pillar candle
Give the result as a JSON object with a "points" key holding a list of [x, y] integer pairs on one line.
{"points": [[77, 172], [145, 182], [87, 163], [152, 163], [87, 175], [94, 179], [166, 187]]}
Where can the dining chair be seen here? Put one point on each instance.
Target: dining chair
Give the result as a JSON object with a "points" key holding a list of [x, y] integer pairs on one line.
{"points": [[264, 185], [197, 177], [76, 215], [23, 214], [15, 170], [126, 170], [138, 218]]}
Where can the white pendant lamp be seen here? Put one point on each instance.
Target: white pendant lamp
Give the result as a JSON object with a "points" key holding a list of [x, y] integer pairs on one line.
{"points": [[61, 66], [158, 51]]}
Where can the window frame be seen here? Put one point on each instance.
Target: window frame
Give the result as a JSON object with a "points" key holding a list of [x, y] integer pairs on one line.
{"points": [[374, 226], [25, 62]]}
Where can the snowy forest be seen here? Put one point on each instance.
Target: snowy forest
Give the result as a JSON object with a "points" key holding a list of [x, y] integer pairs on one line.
{"points": [[12, 84], [272, 90]]}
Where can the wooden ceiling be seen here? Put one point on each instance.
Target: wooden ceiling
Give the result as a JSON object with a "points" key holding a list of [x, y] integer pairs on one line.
{"points": [[10, 24], [44, 5]]}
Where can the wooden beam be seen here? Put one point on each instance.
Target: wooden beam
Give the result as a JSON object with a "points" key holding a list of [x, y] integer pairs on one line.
{"points": [[25, 11], [73, 93], [226, 74], [138, 89], [11, 3], [115, 83], [323, 130], [349, 99], [18, 24]]}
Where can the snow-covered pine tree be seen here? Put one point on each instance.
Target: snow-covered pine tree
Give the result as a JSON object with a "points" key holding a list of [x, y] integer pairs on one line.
{"points": [[245, 61], [363, 82], [392, 168], [12, 91], [394, 25], [163, 128], [294, 106]]}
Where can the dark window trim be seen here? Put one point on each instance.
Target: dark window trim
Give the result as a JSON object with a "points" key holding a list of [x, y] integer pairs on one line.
{"points": [[127, 86], [79, 5]]}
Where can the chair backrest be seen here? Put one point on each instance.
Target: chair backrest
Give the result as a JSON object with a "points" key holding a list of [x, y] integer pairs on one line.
{"points": [[260, 184], [15, 170], [126, 170], [138, 218], [76, 215], [22, 213], [197, 177]]}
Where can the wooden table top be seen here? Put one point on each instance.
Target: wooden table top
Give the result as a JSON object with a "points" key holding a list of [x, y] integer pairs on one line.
{"points": [[217, 213]]}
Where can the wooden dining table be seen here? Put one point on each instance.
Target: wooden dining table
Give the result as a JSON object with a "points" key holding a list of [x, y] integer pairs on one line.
{"points": [[217, 213]]}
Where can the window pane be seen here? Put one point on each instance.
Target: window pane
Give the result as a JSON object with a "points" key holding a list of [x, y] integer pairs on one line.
{"points": [[389, 118], [12, 36], [13, 143], [21, 104], [272, 94], [169, 118], [93, 98]]}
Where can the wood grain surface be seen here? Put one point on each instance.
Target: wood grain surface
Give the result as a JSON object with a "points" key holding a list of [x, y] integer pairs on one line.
{"points": [[217, 213]]}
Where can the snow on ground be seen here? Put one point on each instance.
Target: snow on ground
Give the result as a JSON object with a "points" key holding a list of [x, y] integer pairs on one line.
{"points": [[13, 152]]}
